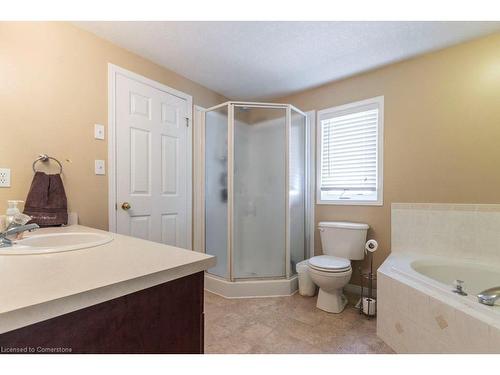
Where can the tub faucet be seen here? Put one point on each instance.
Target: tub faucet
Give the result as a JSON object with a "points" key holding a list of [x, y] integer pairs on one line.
{"points": [[14, 229], [459, 287], [489, 296]]}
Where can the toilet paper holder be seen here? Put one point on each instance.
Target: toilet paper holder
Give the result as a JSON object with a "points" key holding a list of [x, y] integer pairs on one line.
{"points": [[367, 304]]}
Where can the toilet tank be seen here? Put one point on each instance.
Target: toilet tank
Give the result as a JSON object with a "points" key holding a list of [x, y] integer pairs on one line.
{"points": [[343, 239]]}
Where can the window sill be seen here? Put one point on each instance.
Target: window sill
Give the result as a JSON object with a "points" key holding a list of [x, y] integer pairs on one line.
{"points": [[350, 202]]}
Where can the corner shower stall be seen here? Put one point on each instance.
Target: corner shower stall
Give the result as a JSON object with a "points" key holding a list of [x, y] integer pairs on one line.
{"points": [[255, 197]]}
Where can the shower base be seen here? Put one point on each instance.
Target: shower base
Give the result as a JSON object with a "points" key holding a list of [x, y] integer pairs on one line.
{"points": [[250, 288]]}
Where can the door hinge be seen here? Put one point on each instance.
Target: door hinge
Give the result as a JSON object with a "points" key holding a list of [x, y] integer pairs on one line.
{"points": [[187, 122]]}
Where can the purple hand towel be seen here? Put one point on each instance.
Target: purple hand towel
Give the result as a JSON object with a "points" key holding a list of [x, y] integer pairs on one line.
{"points": [[46, 202]]}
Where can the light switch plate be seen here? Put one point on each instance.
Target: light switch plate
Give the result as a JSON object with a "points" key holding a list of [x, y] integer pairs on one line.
{"points": [[98, 131], [4, 177], [99, 167]]}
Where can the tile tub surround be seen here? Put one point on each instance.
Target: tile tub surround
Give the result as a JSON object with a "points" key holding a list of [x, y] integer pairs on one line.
{"points": [[468, 231], [38, 287], [419, 315], [287, 325], [415, 317]]}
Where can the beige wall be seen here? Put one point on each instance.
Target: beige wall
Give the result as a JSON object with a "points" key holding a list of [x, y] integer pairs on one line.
{"points": [[53, 89], [442, 119], [442, 131]]}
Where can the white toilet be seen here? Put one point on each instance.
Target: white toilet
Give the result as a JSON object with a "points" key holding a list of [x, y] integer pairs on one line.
{"points": [[341, 242]]}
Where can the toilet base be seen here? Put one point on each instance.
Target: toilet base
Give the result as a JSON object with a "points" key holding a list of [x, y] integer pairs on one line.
{"points": [[331, 302]]}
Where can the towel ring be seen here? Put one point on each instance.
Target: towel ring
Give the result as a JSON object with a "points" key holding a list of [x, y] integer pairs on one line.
{"points": [[45, 158]]}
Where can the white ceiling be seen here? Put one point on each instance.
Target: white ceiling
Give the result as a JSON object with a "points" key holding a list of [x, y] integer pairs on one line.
{"points": [[264, 60]]}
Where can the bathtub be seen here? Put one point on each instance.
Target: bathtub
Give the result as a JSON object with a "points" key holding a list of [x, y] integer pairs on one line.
{"points": [[476, 277], [440, 273], [419, 313]]}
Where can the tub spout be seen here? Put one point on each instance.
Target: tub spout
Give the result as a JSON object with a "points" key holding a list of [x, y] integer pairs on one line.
{"points": [[489, 296]]}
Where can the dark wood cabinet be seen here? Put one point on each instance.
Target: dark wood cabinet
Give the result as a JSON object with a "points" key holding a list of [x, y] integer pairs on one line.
{"points": [[167, 318]]}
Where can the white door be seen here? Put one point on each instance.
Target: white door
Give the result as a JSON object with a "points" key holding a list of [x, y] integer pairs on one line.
{"points": [[151, 163]]}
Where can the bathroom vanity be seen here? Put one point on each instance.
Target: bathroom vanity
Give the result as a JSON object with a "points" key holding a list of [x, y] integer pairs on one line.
{"points": [[125, 295]]}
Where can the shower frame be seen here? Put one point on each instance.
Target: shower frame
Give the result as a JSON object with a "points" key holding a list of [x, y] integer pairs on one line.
{"points": [[230, 186]]}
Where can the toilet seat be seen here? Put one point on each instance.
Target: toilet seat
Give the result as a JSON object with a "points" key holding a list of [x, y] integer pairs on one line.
{"points": [[329, 263]]}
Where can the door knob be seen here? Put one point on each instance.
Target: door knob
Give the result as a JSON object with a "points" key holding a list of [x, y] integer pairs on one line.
{"points": [[126, 206]]}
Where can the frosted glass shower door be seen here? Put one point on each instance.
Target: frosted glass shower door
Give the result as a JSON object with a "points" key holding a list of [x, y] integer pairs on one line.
{"points": [[297, 189], [259, 198], [216, 218]]}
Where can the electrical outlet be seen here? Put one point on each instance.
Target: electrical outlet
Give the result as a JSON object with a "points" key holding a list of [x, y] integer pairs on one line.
{"points": [[4, 177]]}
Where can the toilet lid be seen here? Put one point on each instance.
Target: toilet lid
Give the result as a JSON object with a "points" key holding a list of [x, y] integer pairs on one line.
{"points": [[330, 263]]}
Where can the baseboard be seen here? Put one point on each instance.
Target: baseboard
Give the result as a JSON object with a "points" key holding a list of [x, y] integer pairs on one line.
{"points": [[263, 288], [356, 289]]}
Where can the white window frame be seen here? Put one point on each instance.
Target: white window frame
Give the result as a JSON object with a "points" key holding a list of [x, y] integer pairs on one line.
{"points": [[379, 100]]}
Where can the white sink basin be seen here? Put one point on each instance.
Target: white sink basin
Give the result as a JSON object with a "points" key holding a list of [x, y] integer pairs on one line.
{"points": [[56, 242]]}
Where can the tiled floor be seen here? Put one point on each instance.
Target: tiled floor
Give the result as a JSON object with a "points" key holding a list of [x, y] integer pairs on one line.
{"points": [[286, 325]]}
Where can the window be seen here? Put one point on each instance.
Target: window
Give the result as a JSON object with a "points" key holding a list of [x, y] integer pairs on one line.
{"points": [[350, 143]]}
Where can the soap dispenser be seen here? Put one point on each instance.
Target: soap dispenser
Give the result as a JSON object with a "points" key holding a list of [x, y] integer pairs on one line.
{"points": [[12, 211]]}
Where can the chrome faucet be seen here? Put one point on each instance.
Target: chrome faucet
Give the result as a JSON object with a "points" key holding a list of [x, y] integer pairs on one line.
{"points": [[14, 229], [489, 296], [459, 287]]}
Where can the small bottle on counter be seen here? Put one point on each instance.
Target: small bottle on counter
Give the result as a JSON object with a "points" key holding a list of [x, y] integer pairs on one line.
{"points": [[12, 211]]}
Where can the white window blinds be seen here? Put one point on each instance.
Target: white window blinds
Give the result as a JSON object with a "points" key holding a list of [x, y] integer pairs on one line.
{"points": [[349, 142]]}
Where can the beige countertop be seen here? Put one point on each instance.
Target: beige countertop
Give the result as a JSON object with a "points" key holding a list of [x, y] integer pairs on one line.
{"points": [[37, 287]]}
